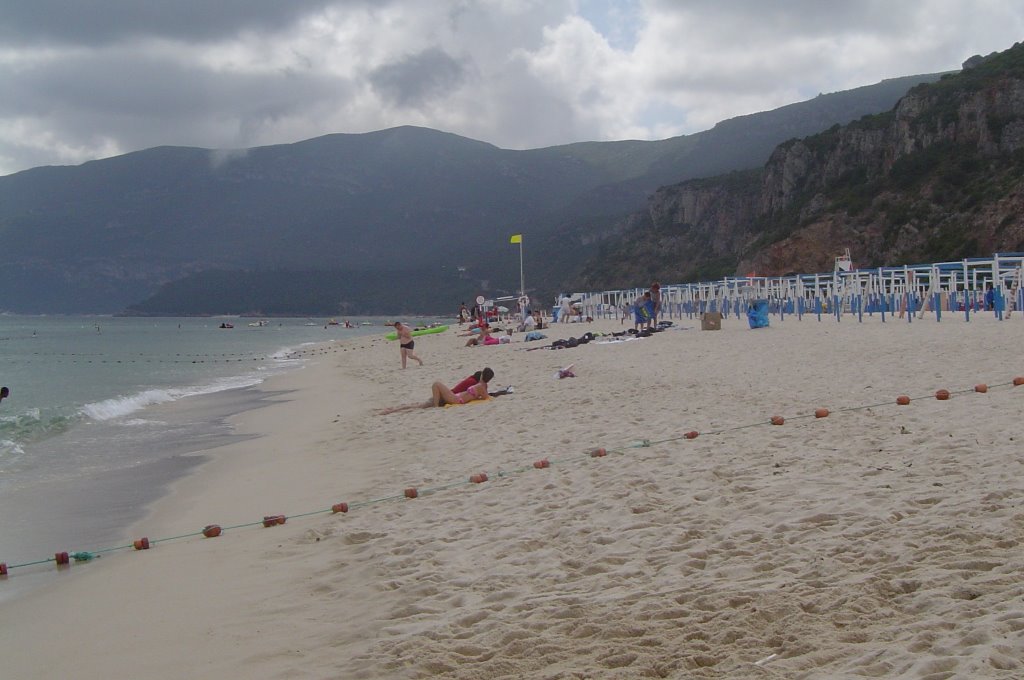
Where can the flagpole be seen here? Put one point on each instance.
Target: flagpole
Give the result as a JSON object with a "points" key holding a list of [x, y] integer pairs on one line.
{"points": [[522, 284], [518, 238]]}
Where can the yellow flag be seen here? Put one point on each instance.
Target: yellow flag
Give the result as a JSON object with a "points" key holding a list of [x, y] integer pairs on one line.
{"points": [[516, 238]]}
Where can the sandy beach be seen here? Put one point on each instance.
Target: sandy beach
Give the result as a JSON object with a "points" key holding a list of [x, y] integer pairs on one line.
{"points": [[881, 541]]}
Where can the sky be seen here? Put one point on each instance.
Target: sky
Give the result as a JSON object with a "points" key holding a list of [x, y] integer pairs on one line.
{"points": [[81, 80]]}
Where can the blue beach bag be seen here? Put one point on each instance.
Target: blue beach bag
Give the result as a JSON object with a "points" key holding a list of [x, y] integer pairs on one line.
{"points": [[757, 314]]}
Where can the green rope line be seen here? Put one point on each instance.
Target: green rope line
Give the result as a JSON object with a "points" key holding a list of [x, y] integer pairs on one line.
{"points": [[85, 556], [175, 538]]}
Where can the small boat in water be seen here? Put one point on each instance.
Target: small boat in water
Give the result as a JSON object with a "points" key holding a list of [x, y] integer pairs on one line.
{"points": [[227, 325]]}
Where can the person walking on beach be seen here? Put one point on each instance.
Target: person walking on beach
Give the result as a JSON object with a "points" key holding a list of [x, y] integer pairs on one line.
{"points": [[406, 343]]}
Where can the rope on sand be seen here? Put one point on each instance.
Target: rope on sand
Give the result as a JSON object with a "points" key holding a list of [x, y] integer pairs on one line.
{"points": [[63, 559]]}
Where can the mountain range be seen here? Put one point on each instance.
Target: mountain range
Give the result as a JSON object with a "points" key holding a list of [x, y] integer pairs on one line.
{"points": [[401, 220]]}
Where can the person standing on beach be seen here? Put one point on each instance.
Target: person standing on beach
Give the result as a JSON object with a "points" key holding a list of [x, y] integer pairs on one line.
{"points": [[406, 343], [642, 308], [656, 299], [564, 309]]}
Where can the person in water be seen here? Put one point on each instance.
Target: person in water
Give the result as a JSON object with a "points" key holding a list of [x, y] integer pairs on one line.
{"points": [[405, 343], [5, 392], [470, 389]]}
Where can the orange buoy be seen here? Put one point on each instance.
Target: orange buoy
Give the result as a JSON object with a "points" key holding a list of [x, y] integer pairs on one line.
{"points": [[942, 395], [3, 569], [981, 388], [273, 520], [597, 453], [778, 420], [1018, 381], [411, 492], [141, 543], [339, 507], [903, 400], [821, 413], [62, 558], [211, 530], [479, 478], [692, 434], [542, 463]]}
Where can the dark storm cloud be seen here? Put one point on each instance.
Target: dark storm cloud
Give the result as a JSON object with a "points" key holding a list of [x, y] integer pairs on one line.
{"points": [[132, 100], [418, 78], [110, 84], [98, 22]]}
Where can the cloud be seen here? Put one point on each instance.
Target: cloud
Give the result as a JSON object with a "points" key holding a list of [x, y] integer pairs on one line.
{"points": [[418, 78], [82, 80], [100, 22]]}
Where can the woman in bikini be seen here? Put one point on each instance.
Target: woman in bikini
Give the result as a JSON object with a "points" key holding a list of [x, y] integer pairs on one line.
{"points": [[440, 395]]}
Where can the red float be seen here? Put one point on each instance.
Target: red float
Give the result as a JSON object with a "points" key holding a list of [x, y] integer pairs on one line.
{"points": [[598, 453], [3, 569], [211, 530], [273, 520], [339, 507], [542, 463], [62, 558], [479, 478], [141, 543], [942, 395], [778, 420], [692, 434], [981, 388], [411, 492], [1018, 381], [903, 400]]}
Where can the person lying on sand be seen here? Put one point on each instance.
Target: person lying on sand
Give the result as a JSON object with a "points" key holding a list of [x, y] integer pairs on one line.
{"points": [[485, 338], [486, 375], [440, 395]]}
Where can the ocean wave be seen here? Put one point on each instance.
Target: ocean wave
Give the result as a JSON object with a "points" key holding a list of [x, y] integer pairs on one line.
{"points": [[118, 407], [31, 426]]}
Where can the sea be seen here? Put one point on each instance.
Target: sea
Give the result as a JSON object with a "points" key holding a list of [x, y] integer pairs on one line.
{"points": [[84, 443]]}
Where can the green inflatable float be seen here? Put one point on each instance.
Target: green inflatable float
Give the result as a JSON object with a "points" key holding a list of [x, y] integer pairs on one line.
{"points": [[422, 331]]}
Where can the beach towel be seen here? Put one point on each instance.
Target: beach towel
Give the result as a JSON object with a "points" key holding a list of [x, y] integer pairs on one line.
{"points": [[475, 401]]}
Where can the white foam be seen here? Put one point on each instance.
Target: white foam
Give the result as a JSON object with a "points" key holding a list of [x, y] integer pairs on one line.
{"points": [[121, 406]]}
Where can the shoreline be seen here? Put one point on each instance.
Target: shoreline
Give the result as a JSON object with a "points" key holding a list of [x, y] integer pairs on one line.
{"points": [[838, 545]]}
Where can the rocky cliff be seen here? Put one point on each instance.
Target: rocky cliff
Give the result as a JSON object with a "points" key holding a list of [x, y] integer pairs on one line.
{"points": [[940, 177]]}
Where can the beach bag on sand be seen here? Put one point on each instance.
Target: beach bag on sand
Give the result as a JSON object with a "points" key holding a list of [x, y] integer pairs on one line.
{"points": [[757, 314]]}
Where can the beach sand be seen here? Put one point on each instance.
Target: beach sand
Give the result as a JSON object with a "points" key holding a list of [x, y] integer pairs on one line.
{"points": [[879, 541]]}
